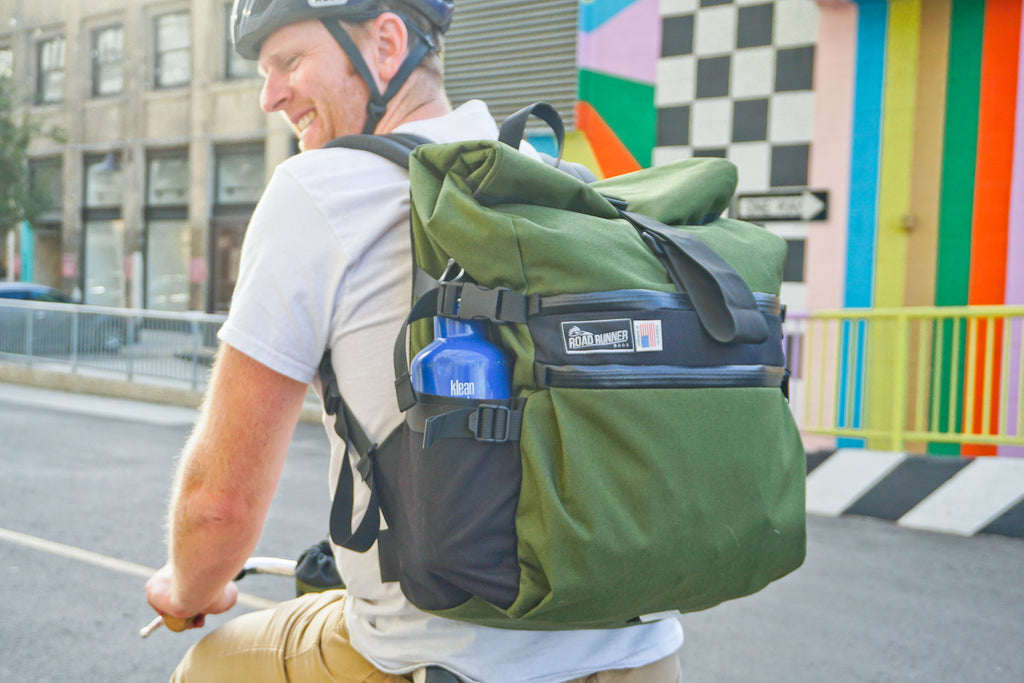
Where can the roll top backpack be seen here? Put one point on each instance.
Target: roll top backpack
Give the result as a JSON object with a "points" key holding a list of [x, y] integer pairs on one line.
{"points": [[646, 459]]}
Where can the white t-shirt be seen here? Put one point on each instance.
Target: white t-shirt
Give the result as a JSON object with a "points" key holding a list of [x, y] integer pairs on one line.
{"points": [[326, 262]]}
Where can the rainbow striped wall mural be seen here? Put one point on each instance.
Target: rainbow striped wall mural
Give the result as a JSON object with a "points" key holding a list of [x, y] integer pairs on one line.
{"points": [[618, 45], [930, 170]]}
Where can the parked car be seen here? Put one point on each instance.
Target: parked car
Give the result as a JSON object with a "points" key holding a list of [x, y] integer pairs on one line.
{"points": [[54, 327]]}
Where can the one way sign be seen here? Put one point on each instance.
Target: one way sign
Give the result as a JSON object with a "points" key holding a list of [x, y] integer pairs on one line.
{"points": [[805, 205]]}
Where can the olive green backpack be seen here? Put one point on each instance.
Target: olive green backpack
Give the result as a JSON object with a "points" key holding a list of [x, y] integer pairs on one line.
{"points": [[648, 461]]}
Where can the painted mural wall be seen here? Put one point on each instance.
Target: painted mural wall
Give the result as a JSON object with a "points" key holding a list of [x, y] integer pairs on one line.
{"points": [[618, 45], [924, 155]]}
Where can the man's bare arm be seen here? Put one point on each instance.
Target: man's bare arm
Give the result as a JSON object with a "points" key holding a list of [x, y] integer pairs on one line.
{"points": [[225, 483]]}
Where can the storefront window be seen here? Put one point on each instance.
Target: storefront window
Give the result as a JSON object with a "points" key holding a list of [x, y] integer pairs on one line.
{"points": [[168, 237], [103, 244], [239, 176]]}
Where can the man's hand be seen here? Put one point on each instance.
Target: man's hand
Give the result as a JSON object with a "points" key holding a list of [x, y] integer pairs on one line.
{"points": [[159, 594]]}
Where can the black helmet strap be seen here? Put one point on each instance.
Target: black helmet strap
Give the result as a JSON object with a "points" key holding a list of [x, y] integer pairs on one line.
{"points": [[378, 103]]}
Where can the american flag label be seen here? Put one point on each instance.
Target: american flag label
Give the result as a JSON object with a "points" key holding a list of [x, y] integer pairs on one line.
{"points": [[647, 335]]}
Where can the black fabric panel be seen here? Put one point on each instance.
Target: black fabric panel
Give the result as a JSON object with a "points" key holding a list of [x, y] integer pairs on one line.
{"points": [[450, 511], [908, 484]]}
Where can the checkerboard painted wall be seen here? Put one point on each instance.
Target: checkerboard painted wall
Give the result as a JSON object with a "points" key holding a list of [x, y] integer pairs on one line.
{"points": [[735, 79]]}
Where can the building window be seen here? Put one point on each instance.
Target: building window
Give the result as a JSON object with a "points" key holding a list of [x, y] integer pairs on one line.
{"points": [[173, 50], [47, 184], [239, 178], [104, 281], [239, 175], [168, 236], [108, 61], [6, 62], [235, 66], [50, 82]]}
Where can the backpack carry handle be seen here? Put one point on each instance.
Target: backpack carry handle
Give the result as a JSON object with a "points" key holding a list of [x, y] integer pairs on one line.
{"points": [[513, 129]]}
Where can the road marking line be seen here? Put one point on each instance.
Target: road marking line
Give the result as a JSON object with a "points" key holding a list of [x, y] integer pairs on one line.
{"points": [[106, 562]]}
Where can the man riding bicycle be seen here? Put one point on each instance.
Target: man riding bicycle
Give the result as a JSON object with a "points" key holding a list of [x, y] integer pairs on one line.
{"points": [[326, 264]]}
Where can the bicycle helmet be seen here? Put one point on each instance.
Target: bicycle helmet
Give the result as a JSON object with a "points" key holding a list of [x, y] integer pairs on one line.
{"points": [[253, 20]]}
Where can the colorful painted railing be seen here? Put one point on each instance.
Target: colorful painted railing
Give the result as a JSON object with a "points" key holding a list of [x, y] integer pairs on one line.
{"points": [[943, 380]]}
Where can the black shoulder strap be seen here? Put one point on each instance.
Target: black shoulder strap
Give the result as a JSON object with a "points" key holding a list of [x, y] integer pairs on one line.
{"points": [[395, 147]]}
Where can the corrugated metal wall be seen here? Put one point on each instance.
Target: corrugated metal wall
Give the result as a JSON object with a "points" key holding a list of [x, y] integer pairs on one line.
{"points": [[511, 53]]}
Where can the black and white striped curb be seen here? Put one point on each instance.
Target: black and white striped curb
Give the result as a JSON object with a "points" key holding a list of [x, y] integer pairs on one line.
{"points": [[965, 496]]}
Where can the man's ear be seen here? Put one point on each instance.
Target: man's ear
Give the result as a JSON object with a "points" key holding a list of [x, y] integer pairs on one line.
{"points": [[391, 42]]}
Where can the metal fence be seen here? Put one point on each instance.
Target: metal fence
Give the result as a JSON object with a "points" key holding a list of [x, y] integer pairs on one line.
{"points": [[919, 379], [172, 349], [938, 380]]}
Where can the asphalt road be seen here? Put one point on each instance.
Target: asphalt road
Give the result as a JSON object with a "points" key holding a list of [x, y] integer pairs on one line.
{"points": [[873, 602]]}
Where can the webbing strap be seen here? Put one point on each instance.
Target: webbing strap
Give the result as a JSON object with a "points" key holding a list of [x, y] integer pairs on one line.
{"points": [[723, 300], [378, 103], [350, 432]]}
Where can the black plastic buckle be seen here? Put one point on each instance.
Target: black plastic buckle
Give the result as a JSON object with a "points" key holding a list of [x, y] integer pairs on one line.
{"points": [[490, 423], [478, 302]]}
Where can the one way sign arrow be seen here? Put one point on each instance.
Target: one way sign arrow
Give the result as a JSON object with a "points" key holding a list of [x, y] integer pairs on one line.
{"points": [[805, 205]]}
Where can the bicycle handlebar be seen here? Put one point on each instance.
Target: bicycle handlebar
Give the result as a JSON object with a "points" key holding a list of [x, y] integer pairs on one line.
{"points": [[274, 566]]}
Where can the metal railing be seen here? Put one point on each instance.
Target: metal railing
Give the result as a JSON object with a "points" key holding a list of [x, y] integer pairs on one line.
{"points": [[920, 379], [900, 379], [171, 349]]}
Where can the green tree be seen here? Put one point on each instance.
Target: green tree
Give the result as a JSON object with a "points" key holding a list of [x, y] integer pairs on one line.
{"points": [[19, 201]]}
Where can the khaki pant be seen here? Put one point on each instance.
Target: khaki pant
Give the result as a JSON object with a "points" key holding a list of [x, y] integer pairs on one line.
{"points": [[305, 640]]}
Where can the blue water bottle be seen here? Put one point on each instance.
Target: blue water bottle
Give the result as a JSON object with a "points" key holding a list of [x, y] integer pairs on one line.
{"points": [[461, 362]]}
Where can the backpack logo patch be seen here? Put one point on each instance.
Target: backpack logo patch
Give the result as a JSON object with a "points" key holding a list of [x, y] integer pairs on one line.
{"points": [[598, 336]]}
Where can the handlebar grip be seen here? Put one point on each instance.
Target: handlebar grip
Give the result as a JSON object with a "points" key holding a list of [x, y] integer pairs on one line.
{"points": [[177, 624]]}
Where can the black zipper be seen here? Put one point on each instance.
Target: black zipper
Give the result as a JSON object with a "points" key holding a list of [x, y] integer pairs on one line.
{"points": [[659, 376], [639, 300]]}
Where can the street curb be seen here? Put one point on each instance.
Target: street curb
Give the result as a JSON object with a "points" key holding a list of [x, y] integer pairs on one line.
{"points": [[963, 496], [113, 388]]}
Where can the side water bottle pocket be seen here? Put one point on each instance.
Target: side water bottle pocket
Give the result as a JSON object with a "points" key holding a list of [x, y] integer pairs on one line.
{"points": [[449, 479], [461, 363]]}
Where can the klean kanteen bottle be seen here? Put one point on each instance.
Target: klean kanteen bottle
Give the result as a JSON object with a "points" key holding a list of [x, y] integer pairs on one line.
{"points": [[461, 362]]}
